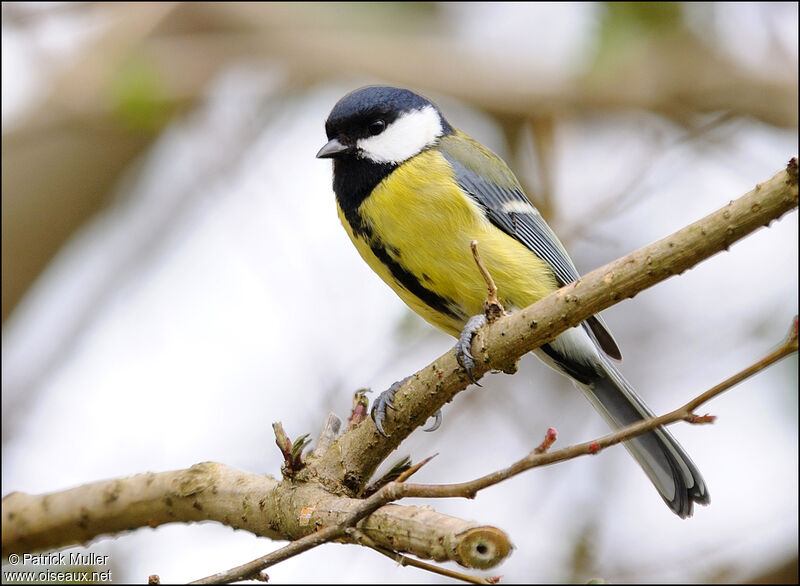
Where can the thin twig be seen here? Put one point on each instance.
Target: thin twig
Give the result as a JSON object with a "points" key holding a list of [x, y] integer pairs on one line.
{"points": [[789, 346], [246, 571], [399, 489], [500, 345], [537, 458], [406, 474], [492, 305], [48, 521]]}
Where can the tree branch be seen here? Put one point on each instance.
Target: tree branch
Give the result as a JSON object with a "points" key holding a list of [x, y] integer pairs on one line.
{"points": [[499, 345], [542, 458], [538, 457], [309, 507], [253, 502]]}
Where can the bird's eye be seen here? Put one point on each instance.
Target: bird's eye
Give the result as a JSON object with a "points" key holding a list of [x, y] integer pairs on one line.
{"points": [[376, 127]]}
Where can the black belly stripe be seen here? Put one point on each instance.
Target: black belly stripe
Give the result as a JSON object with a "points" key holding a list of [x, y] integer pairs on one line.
{"points": [[353, 181]]}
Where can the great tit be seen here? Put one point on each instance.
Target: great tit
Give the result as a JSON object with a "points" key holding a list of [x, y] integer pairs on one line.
{"points": [[413, 192]]}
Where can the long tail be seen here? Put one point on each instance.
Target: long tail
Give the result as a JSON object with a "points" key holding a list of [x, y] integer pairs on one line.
{"points": [[658, 453], [662, 458]]}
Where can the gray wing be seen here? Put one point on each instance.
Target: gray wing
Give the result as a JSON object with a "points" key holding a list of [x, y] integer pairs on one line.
{"points": [[508, 208]]}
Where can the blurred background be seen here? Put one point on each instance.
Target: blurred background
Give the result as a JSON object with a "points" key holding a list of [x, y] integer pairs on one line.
{"points": [[175, 278]]}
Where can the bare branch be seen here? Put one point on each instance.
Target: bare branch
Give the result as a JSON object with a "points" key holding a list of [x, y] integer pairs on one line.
{"points": [[499, 345], [541, 458], [215, 492], [538, 457], [253, 502], [492, 305], [362, 509], [308, 508]]}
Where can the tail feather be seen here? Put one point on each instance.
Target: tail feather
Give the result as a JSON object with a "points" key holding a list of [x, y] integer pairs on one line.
{"points": [[662, 458], [665, 462]]}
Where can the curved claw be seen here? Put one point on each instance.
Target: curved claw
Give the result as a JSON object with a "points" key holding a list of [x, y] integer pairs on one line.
{"points": [[382, 403], [464, 344], [437, 423], [379, 407]]}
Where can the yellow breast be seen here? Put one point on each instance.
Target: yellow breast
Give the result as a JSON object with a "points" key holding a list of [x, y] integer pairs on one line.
{"points": [[420, 220]]}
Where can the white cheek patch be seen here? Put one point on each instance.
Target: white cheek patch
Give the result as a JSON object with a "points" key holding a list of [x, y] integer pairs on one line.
{"points": [[403, 138]]}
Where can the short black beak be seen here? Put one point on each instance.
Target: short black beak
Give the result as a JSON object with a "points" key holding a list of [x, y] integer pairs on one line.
{"points": [[333, 148]]}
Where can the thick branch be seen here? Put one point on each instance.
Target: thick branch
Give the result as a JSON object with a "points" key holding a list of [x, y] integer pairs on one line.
{"points": [[204, 492], [75, 516], [356, 454], [541, 457], [257, 503], [292, 510], [483, 549]]}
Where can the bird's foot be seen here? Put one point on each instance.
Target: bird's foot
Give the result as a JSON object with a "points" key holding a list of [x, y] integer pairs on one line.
{"points": [[382, 403], [385, 401], [464, 344]]}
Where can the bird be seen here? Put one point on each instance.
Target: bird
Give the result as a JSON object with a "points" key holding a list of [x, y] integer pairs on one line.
{"points": [[412, 192]]}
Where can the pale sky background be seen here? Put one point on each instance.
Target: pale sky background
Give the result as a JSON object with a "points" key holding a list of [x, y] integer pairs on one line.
{"points": [[223, 295]]}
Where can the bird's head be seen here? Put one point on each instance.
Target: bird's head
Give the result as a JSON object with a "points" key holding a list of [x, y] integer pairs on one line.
{"points": [[385, 125]]}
